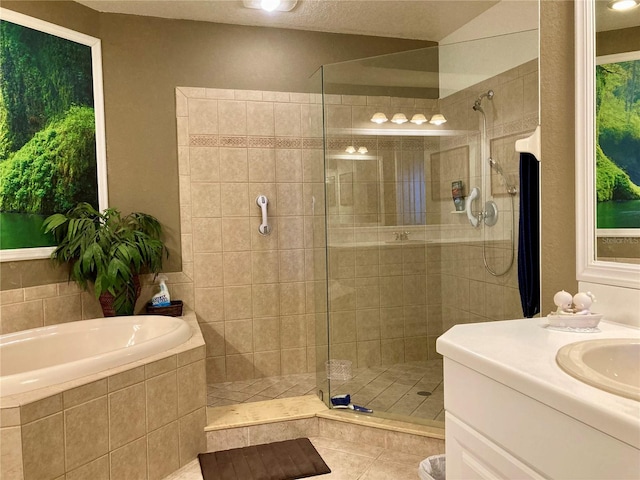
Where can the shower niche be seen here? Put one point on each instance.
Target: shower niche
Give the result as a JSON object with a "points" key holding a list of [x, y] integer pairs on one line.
{"points": [[403, 265]]}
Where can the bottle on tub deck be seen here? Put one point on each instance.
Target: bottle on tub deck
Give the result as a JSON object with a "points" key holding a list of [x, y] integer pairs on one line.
{"points": [[162, 298]]}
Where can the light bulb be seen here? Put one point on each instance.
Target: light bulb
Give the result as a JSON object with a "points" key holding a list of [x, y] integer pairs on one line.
{"points": [[399, 118], [621, 5], [379, 118], [363, 150], [418, 119], [438, 119], [350, 149], [269, 5]]}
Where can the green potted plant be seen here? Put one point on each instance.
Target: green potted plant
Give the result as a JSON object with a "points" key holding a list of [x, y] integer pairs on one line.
{"points": [[109, 251]]}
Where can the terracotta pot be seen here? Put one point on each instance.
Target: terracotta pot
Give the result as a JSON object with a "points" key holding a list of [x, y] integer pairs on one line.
{"points": [[106, 300]]}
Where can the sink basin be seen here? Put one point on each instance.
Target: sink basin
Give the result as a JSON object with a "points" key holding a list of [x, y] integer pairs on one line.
{"points": [[611, 364]]}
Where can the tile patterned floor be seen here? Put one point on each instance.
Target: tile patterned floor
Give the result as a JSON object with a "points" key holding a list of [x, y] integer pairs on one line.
{"points": [[412, 389], [347, 461]]}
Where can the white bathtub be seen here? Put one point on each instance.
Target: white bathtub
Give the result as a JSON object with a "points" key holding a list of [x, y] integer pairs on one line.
{"points": [[41, 357]]}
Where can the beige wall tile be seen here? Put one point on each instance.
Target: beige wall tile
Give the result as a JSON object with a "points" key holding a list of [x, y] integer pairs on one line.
{"points": [[369, 353], [90, 306], [238, 336], [234, 165], [351, 433], [415, 349], [21, 316], [206, 199], [266, 334], [292, 298], [228, 438], [127, 415], [236, 234], [213, 334], [161, 366], [10, 417], [41, 408], [288, 120], [262, 165], [95, 470], [266, 300], [343, 327], [162, 400], [292, 265], [234, 114], [237, 268], [204, 163], [275, 432], [288, 165], [41, 291], [265, 266], [237, 302], [84, 393], [392, 351], [216, 369], [191, 435], [368, 324], [209, 304], [239, 367], [163, 451], [126, 378], [208, 270], [203, 116], [86, 432], [290, 199], [192, 388], [293, 331], [260, 118], [293, 360], [11, 296], [267, 364], [207, 235], [234, 199], [130, 461], [11, 453], [43, 448]]}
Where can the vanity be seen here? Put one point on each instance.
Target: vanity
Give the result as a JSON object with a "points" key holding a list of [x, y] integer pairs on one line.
{"points": [[512, 412]]}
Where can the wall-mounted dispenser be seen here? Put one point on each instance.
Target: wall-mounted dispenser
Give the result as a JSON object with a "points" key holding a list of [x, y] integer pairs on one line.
{"points": [[264, 227]]}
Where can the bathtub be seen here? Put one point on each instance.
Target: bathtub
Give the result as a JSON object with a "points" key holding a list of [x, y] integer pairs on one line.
{"points": [[45, 356]]}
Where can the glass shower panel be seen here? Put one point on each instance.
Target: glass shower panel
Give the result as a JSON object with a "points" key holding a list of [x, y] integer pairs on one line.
{"points": [[403, 265]]}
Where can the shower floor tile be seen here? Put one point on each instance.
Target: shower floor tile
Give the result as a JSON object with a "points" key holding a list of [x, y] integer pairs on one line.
{"points": [[411, 389]]}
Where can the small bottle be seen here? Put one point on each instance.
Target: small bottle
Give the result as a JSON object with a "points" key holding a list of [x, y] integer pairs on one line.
{"points": [[457, 192], [162, 298]]}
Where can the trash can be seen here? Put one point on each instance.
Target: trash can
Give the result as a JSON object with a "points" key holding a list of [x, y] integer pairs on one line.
{"points": [[432, 468]]}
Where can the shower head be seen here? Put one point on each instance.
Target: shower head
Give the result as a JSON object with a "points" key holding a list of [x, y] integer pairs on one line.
{"points": [[477, 105], [511, 189]]}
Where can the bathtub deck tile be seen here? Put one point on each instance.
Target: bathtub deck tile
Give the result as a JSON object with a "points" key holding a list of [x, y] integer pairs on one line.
{"points": [[126, 378], [41, 408], [159, 367], [190, 356], [84, 393], [10, 417]]}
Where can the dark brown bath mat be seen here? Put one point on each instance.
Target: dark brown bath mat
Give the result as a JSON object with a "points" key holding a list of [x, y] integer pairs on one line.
{"points": [[272, 461]]}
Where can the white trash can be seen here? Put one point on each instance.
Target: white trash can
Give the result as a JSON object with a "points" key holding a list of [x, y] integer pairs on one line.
{"points": [[432, 468]]}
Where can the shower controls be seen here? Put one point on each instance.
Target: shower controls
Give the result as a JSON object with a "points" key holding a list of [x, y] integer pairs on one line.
{"points": [[490, 215], [264, 227]]}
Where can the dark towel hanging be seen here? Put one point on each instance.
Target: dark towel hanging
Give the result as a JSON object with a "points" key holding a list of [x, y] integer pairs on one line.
{"points": [[529, 235]]}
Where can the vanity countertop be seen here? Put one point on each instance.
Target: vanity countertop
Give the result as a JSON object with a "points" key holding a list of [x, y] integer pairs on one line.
{"points": [[521, 354]]}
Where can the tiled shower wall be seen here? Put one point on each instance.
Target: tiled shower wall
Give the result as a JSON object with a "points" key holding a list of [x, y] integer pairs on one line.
{"points": [[389, 303], [255, 295]]}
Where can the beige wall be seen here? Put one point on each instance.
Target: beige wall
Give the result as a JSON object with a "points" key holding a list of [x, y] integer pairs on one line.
{"points": [[144, 59], [558, 257]]}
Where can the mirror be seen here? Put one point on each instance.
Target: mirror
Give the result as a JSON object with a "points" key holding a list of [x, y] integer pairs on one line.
{"points": [[604, 255]]}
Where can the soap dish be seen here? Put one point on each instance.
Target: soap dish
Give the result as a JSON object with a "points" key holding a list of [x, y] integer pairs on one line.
{"points": [[575, 323]]}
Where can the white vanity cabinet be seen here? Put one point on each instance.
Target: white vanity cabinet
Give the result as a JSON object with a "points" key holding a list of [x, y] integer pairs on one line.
{"points": [[511, 413]]}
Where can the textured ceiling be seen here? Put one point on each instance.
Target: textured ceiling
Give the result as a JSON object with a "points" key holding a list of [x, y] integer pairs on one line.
{"points": [[412, 19]]}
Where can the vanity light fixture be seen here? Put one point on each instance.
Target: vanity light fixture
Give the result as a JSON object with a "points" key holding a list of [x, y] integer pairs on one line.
{"points": [[379, 118], [418, 119], [438, 119], [399, 118], [363, 150], [350, 149], [622, 5], [271, 5]]}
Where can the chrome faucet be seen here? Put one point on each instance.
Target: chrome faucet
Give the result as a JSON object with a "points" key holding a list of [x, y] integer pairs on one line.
{"points": [[401, 236]]}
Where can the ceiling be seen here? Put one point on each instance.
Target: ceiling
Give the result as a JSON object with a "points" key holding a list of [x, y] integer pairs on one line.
{"points": [[412, 19]]}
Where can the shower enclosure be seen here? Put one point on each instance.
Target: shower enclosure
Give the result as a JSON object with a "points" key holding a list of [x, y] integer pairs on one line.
{"points": [[398, 260]]}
